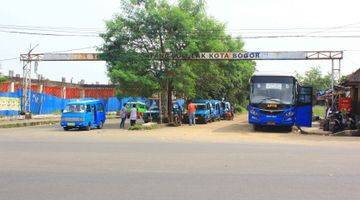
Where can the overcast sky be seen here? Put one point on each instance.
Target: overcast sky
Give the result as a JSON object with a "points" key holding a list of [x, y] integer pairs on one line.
{"points": [[278, 17]]}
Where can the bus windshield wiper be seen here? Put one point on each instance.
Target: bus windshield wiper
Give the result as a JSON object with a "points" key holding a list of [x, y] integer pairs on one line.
{"points": [[269, 98]]}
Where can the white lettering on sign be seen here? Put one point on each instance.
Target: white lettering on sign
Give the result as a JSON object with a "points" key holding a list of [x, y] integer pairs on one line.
{"points": [[276, 86], [9, 103], [238, 56]]}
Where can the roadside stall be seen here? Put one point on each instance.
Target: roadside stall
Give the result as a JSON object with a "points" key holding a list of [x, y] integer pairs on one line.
{"points": [[353, 82]]}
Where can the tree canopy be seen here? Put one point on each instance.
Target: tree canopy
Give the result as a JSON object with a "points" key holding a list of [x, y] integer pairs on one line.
{"points": [[315, 78], [144, 29]]}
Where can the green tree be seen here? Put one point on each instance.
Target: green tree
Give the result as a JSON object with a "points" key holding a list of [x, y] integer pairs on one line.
{"points": [[315, 78], [146, 29], [3, 79]]}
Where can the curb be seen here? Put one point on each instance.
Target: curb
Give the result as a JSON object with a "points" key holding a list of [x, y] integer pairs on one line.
{"points": [[28, 123], [346, 133]]}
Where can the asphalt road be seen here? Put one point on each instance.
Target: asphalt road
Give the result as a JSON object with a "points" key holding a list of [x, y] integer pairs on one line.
{"points": [[223, 160]]}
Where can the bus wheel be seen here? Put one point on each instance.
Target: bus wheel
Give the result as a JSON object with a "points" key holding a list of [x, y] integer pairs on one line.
{"points": [[87, 128], [66, 128], [288, 128], [101, 125], [256, 127]]}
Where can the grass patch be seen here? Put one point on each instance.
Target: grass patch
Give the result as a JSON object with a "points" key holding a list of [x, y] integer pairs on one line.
{"points": [[138, 127], [25, 124], [111, 116], [319, 111], [56, 112], [240, 109]]}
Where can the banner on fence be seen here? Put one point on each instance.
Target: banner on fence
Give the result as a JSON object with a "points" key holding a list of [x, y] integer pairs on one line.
{"points": [[9, 103]]}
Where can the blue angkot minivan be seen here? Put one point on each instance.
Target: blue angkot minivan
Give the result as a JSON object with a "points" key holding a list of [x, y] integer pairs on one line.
{"points": [[83, 114]]}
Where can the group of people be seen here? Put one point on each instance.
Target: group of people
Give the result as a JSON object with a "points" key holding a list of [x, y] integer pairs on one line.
{"points": [[133, 115], [124, 114]]}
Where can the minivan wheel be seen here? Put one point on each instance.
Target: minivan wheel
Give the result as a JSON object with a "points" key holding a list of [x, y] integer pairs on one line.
{"points": [[101, 125]]}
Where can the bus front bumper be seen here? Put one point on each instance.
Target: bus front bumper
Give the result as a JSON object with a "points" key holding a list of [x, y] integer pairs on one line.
{"points": [[265, 119]]}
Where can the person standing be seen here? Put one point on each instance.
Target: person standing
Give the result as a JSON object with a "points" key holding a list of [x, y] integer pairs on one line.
{"points": [[133, 115], [191, 111], [123, 114]]}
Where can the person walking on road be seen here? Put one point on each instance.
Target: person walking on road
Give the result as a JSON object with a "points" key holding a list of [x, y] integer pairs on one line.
{"points": [[133, 115], [191, 111], [123, 114]]}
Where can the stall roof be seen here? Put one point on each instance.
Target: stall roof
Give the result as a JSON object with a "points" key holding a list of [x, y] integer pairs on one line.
{"points": [[354, 78]]}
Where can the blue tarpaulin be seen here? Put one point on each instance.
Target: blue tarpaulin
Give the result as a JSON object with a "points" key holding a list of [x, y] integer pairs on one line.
{"points": [[48, 104]]}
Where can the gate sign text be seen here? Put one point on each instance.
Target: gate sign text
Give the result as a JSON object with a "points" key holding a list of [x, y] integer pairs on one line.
{"points": [[257, 55]]}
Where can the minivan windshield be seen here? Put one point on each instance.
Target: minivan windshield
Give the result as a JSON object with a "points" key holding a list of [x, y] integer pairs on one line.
{"points": [[75, 108], [154, 109], [200, 106]]}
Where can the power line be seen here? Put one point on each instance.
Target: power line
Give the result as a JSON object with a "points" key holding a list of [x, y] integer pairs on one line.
{"points": [[50, 34], [7, 59], [240, 29], [298, 36], [242, 37], [68, 50], [89, 32], [334, 27], [50, 27], [49, 30]]}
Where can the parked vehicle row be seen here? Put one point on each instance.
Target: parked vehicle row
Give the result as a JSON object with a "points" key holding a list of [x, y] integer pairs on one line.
{"points": [[212, 110], [90, 114]]}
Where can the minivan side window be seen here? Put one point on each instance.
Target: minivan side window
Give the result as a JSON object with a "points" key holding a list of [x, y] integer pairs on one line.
{"points": [[100, 108], [88, 108]]}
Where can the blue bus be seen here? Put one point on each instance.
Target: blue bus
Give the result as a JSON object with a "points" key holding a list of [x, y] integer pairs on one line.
{"points": [[83, 114], [279, 100]]}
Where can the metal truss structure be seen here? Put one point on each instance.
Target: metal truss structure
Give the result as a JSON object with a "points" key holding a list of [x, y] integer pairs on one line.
{"points": [[261, 55]]}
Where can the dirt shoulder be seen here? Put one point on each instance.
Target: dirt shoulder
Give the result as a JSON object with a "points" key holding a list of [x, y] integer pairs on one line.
{"points": [[236, 131]]}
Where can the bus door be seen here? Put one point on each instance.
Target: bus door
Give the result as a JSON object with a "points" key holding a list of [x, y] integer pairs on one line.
{"points": [[303, 114]]}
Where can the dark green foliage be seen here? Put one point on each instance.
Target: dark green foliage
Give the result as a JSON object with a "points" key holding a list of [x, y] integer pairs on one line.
{"points": [[145, 29], [3, 79], [315, 78]]}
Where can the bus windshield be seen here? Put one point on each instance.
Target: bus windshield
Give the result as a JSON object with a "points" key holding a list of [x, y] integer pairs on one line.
{"points": [[271, 89]]}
